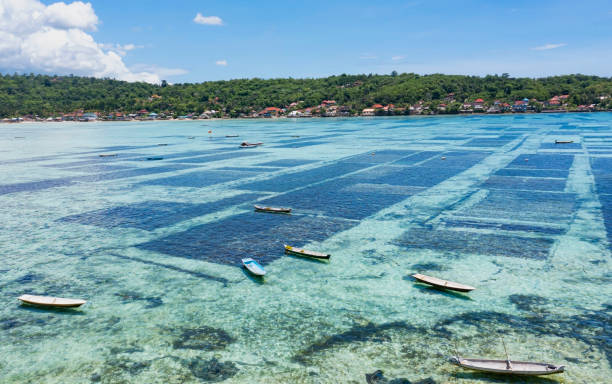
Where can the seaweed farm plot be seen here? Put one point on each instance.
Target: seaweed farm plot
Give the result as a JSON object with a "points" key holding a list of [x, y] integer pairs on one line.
{"points": [[156, 249]]}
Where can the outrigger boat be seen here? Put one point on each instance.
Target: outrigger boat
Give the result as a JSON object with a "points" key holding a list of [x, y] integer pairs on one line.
{"points": [[108, 155], [51, 302], [304, 252], [272, 209], [445, 284], [254, 267], [508, 367], [249, 145], [564, 141]]}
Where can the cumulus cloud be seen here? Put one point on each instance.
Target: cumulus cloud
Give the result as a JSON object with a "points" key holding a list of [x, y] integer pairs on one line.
{"points": [[54, 39], [222, 63], [546, 47], [207, 20]]}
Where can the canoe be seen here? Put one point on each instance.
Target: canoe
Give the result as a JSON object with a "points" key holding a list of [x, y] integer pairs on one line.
{"points": [[253, 267], [507, 366], [154, 158], [250, 145], [108, 155], [304, 252], [442, 283], [162, 145], [231, 135], [51, 302], [272, 209], [564, 141]]}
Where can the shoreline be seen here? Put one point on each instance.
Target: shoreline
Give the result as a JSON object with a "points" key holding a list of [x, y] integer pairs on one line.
{"points": [[296, 118]]}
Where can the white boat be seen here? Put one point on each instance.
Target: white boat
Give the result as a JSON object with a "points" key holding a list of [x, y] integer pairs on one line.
{"points": [[508, 367], [253, 267], [445, 284], [305, 252], [272, 209], [51, 302]]}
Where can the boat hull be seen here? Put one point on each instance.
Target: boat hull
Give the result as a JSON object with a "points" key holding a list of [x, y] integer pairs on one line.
{"points": [[50, 302], [306, 253], [272, 209], [253, 267], [501, 366], [443, 284]]}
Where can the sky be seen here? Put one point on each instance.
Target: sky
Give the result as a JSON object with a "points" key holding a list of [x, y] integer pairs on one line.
{"points": [[193, 40]]}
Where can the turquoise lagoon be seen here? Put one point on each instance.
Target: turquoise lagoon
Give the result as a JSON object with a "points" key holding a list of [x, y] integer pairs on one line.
{"points": [[155, 248]]}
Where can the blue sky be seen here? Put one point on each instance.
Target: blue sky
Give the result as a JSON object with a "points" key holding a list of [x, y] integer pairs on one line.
{"points": [[319, 38]]}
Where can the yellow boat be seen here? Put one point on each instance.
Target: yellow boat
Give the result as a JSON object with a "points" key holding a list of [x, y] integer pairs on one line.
{"points": [[307, 253]]}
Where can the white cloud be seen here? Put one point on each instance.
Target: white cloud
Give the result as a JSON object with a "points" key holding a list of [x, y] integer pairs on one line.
{"points": [[546, 47], [162, 72], [368, 57], [396, 58], [121, 50], [207, 20], [53, 39], [222, 63]]}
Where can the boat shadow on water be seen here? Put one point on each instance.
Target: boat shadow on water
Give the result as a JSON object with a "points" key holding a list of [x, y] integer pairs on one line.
{"points": [[503, 378], [307, 259], [433, 290], [256, 279], [63, 311]]}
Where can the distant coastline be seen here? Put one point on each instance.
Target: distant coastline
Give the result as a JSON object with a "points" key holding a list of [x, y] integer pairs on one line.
{"points": [[72, 98]]}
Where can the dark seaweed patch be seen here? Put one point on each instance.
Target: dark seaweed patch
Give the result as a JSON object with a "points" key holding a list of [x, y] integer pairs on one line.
{"points": [[151, 215], [530, 303], [151, 302], [202, 338], [260, 235], [28, 278], [526, 183], [359, 333], [480, 243], [287, 163], [284, 183], [428, 267], [592, 327], [212, 370]]}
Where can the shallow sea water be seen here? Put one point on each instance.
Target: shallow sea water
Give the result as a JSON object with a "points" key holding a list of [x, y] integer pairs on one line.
{"points": [[155, 248]]}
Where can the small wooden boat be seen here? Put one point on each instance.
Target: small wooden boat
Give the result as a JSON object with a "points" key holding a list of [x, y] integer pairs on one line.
{"points": [[272, 209], [162, 145], [253, 267], [304, 252], [231, 135], [507, 366], [442, 283], [155, 158], [564, 141], [108, 155], [51, 302], [249, 145]]}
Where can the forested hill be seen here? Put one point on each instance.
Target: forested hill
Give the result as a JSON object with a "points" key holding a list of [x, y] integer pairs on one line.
{"points": [[48, 95]]}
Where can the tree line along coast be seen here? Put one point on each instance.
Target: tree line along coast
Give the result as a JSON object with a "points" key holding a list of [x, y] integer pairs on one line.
{"points": [[73, 98]]}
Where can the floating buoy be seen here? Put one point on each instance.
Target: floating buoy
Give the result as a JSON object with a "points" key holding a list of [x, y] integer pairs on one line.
{"points": [[209, 131], [526, 159]]}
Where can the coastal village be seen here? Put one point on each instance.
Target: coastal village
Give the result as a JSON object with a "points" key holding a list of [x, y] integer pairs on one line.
{"points": [[330, 108]]}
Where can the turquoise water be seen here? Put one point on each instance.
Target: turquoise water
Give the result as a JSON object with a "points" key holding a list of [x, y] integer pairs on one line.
{"points": [[155, 248]]}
